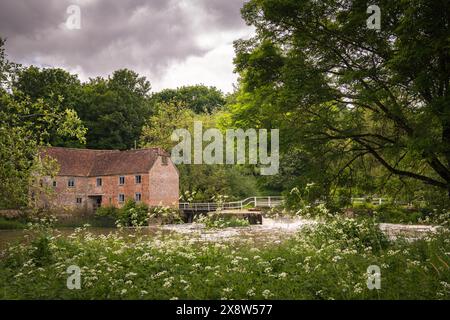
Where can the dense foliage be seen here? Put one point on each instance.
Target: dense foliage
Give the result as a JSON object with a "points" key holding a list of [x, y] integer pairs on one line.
{"points": [[26, 124], [198, 98], [361, 112], [131, 214], [366, 110], [113, 109]]}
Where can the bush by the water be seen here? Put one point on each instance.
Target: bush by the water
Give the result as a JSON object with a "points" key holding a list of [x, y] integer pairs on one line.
{"points": [[394, 213], [219, 221], [134, 214], [386, 212], [165, 215], [131, 214]]}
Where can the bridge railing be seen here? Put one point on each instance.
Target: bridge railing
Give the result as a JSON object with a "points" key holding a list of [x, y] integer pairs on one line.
{"points": [[254, 202], [375, 201], [263, 202]]}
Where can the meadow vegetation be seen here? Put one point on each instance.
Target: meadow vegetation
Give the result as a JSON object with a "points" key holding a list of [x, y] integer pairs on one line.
{"points": [[328, 260]]}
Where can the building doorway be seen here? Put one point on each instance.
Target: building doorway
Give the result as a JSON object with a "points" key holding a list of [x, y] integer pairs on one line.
{"points": [[96, 202]]}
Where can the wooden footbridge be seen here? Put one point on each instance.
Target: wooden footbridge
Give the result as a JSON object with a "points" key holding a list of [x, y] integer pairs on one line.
{"points": [[252, 202], [192, 209]]}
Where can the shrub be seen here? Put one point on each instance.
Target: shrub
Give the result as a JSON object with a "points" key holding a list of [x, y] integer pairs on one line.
{"points": [[165, 215], [314, 211], [107, 211], [41, 252], [348, 233], [435, 216], [396, 214], [217, 221], [301, 197], [132, 214]]}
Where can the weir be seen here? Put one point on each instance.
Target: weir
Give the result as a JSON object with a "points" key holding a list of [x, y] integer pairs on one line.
{"points": [[246, 206]]}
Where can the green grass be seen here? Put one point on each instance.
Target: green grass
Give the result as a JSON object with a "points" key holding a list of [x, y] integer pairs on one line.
{"points": [[328, 261], [62, 222], [9, 224], [79, 221]]}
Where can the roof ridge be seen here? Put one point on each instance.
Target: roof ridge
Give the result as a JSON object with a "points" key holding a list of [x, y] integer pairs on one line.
{"points": [[104, 150], [82, 149], [93, 162]]}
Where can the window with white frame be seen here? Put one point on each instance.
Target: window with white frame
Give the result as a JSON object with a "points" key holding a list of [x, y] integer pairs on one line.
{"points": [[138, 179], [137, 197]]}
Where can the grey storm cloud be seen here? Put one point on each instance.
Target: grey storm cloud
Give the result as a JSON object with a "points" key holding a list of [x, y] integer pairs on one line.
{"points": [[146, 36]]}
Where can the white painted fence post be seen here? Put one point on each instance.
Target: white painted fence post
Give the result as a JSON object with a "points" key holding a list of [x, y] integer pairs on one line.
{"points": [[269, 202]]}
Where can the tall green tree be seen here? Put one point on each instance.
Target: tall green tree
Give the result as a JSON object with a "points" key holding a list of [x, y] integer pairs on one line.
{"points": [[114, 109], [203, 180], [343, 92], [198, 98], [48, 83], [55, 86], [165, 119], [26, 125]]}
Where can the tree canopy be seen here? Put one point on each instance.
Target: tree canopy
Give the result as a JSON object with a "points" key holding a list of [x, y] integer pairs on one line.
{"points": [[198, 98], [342, 93], [27, 124], [114, 109]]}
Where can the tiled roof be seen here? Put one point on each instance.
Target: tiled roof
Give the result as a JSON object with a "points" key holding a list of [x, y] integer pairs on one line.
{"points": [[88, 162]]}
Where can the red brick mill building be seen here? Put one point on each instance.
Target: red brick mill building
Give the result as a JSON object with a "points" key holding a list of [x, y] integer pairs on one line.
{"points": [[88, 178]]}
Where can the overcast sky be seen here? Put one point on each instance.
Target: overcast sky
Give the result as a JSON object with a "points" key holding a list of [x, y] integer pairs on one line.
{"points": [[171, 42]]}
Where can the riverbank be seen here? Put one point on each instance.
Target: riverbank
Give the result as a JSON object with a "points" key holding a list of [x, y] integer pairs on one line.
{"points": [[271, 229]]}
